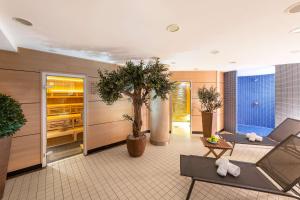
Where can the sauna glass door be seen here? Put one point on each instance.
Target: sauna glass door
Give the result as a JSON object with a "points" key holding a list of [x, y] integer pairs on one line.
{"points": [[181, 109], [65, 110]]}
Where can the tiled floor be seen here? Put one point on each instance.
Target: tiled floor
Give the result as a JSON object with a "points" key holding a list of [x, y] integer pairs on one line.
{"points": [[112, 174]]}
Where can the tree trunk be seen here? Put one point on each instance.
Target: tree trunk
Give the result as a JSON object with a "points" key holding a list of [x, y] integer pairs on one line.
{"points": [[137, 122]]}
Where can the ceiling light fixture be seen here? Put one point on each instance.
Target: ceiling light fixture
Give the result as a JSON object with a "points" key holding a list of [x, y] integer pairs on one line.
{"points": [[214, 52], [232, 62], [22, 21], [295, 30], [173, 28], [173, 63], [295, 8]]}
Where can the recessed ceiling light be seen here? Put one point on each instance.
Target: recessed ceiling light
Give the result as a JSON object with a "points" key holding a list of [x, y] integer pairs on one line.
{"points": [[196, 69], [22, 21], [173, 63], [232, 62], [173, 28], [295, 30], [215, 52], [295, 8]]}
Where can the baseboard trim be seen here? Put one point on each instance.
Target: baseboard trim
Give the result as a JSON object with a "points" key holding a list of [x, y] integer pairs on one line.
{"points": [[200, 132], [25, 170], [197, 132], [98, 149]]}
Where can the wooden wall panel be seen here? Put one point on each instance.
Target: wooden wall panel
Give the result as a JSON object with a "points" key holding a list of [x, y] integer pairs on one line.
{"points": [[196, 86], [195, 76], [38, 61], [108, 133], [198, 80], [197, 123], [32, 113], [98, 112], [25, 152], [22, 86]]}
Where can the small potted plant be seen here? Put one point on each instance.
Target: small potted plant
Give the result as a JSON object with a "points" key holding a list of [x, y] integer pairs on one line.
{"points": [[11, 120], [210, 101], [136, 81]]}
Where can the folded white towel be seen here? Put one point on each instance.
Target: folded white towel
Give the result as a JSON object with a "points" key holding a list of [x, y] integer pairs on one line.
{"points": [[223, 168], [234, 170]]}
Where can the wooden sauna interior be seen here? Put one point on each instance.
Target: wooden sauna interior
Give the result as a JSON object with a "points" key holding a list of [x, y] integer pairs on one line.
{"points": [[65, 101]]}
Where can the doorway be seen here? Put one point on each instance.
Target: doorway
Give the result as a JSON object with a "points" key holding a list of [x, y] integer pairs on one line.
{"points": [[63, 113], [181, 109]]}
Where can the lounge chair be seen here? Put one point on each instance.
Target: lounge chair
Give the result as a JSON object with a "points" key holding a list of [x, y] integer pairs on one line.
{"points": [[286, 128], [278, 172]]}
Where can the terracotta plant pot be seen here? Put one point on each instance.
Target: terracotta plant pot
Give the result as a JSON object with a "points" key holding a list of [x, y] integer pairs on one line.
{"points": [[136, 146], [209, 123], [5, 144]]}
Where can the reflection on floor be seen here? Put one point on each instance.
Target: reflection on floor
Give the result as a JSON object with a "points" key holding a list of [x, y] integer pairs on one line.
{"points": [[262, 131], [181, 128], [63, 147], [112, 174]]}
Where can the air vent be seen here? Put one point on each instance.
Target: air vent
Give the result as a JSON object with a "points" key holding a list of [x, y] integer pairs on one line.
{"points": [[295, 8], [22, 21]]}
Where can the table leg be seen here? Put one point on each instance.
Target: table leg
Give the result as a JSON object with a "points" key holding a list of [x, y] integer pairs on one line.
{"points": [[205, 155], [190, 190], [221, 154], [233, 144]]}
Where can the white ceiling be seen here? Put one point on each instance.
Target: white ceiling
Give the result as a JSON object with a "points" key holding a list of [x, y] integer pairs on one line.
{"points": [[251, 33]]}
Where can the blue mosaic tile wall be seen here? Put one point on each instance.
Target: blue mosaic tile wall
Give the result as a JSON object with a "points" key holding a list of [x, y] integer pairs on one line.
{"points": [[256, 100]]}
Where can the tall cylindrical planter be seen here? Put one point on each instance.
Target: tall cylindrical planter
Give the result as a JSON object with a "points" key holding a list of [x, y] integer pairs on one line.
{"points": [[159, 122], [5, 144], [209, 123]]}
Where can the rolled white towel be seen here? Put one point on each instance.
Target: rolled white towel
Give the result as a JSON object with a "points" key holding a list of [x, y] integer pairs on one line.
{"points": [[259, 138], [252, 138], [248, 135], [234, 170], [223, 168], [221, 161]]}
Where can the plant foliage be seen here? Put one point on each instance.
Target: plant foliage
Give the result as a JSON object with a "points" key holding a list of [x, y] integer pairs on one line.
{"points": [[11, 116], [210, 99], [136, 81]]}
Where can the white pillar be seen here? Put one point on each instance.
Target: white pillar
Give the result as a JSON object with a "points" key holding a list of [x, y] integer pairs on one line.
{"points": [[159, 122]]}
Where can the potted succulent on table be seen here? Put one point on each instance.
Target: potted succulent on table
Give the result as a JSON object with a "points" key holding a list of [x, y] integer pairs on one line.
{"points": [[136, 81], [210, 101], [11, 120]]}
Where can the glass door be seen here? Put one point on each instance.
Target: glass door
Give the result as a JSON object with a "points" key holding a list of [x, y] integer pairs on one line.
{"points": [[64, 117], [181, 109]]}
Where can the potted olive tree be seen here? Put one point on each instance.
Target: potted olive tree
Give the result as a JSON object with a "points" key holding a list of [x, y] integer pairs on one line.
{"points": [[210, 101], [11, 120], [136, 81]]}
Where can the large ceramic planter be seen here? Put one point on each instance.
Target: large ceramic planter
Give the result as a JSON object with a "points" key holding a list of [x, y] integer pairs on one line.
{"points": [[5, 144], [209, 123], [136, 146]]}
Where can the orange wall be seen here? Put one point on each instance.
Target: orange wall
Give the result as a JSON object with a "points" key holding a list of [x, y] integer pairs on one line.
{"points": [[199, 79]]}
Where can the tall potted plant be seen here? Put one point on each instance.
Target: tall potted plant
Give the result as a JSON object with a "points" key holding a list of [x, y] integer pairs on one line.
{"points": [[210, 101], [11, 120], [135, 81]]}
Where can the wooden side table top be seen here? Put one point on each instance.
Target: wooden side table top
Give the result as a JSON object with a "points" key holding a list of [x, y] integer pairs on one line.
{"points": [[222, 144]]}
